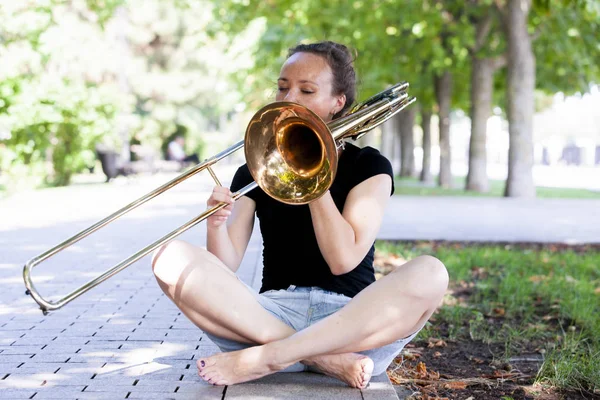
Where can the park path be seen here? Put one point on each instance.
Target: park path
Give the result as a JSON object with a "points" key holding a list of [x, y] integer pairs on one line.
{"points": [[124, 339]]}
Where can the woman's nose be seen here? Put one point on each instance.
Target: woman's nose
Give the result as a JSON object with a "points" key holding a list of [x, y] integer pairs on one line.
{"points": [[291, 96]]}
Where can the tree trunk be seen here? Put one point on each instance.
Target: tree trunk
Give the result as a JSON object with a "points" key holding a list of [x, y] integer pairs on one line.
{"points": [[397, 149], [388, 136], [426, 126], [521, 84], [406, 123], [482, 75], [443, 92]]}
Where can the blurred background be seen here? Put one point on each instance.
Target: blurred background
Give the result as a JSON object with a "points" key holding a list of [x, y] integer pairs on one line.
{"points": [[508, 97]]}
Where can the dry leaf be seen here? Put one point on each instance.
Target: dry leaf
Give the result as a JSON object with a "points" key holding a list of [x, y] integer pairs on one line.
{"points": [[456, 385], [421, 369], [394, 379], [411, 356], [499, 311], [436, 343], [477, 360], [597, 291], [500, 375], [437, 354]]}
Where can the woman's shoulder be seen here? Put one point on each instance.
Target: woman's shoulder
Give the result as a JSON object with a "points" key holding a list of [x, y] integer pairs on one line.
{"points": [[241, 178], [368, 162], [368, 157]]}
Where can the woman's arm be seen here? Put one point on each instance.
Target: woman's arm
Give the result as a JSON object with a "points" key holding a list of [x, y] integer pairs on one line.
{"points": [[344, 239], [228, 241]]}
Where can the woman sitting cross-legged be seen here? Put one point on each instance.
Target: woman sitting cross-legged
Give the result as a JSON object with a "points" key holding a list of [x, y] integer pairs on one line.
{"points": [[319, 308]]}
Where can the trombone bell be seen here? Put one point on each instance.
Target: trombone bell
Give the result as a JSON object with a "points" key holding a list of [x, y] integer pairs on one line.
{"points": [[290, 153]]}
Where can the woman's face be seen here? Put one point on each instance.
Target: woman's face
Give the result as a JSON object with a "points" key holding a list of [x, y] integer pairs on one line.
{"points": [[307, 79]]}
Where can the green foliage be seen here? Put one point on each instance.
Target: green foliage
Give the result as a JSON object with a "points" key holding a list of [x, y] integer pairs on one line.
{"points": [[62, 118], [566, 48], [391, 46], [415, 40], [77, 73]]}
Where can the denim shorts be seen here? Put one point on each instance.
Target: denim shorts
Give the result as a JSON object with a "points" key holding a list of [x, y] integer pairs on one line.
{"points": [[300, 307]]}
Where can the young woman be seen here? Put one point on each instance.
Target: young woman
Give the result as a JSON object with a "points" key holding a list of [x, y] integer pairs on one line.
{"points": [[319, 308]]}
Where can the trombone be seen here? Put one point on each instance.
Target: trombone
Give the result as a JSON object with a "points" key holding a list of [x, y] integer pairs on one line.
{"points": [[290, 152]]}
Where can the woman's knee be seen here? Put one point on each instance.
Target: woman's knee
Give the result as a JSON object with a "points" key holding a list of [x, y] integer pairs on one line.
{"points": [[170, 259], [435, 271], [424, 276]]}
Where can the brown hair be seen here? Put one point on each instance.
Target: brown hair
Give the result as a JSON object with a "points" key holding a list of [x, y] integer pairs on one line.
{"points": [[341, 62]]}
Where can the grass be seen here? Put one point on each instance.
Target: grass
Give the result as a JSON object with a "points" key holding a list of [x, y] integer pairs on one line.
{"points": [[413, 187], [543, 299]]}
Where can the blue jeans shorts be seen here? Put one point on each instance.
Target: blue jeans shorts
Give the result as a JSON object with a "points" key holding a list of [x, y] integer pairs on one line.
{"points": [[300, 307]]}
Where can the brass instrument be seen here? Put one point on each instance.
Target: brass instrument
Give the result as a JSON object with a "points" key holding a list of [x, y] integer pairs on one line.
{"points": [[291, 154]]}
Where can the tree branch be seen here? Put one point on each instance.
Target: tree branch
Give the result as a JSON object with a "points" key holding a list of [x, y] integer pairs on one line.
{"points": [[501, 12], [482, 31]]}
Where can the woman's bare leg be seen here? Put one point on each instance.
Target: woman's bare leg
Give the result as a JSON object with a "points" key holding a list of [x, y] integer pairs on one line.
{"points": [[212, 297], [403, 301]]}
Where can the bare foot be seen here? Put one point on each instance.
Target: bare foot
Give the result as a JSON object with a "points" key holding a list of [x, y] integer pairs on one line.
{"points": [[354, 369], [237, 366]]}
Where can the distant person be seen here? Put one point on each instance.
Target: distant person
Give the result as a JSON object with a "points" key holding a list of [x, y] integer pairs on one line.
{"points": [[176, 152]]}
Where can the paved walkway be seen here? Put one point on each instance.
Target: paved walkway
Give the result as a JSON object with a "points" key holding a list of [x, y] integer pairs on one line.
{"points": [[125, 339], [483, 219]]}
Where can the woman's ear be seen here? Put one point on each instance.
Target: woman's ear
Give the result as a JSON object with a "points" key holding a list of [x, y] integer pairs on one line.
{"points": [[339, 103]]}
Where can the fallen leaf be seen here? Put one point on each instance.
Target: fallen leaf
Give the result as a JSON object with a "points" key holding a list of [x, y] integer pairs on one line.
{"points": [[411, 356], [394, 379], [436, 343], [499, 311], [437, 354], [597, 291], [477, 360], [421, 369], [456, 385]]}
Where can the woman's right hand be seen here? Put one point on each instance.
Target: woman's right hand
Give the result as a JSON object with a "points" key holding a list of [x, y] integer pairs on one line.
{"points": [[219, 194]]}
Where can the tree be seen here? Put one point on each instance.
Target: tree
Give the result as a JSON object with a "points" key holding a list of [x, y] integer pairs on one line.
{"points": [[88, 72], [485, 61], [406, 122], [425, 175], [413, 50], [550, 17]]}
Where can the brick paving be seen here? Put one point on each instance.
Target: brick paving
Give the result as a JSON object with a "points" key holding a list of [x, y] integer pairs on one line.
{"points": [[123, 339]]}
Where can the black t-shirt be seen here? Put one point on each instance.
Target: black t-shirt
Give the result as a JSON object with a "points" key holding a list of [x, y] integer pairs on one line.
{"points": [[291, 255]]}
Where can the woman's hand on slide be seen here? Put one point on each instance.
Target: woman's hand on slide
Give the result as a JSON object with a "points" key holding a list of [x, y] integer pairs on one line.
{"points": [[220, 194]]}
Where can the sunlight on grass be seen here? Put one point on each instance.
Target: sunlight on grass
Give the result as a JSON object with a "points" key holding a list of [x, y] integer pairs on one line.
{"points": [[544, 300], [412, 187]]}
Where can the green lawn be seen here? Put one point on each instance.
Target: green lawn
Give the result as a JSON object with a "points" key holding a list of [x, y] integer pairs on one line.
{"points": [[412, 187], [543, 300]]}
